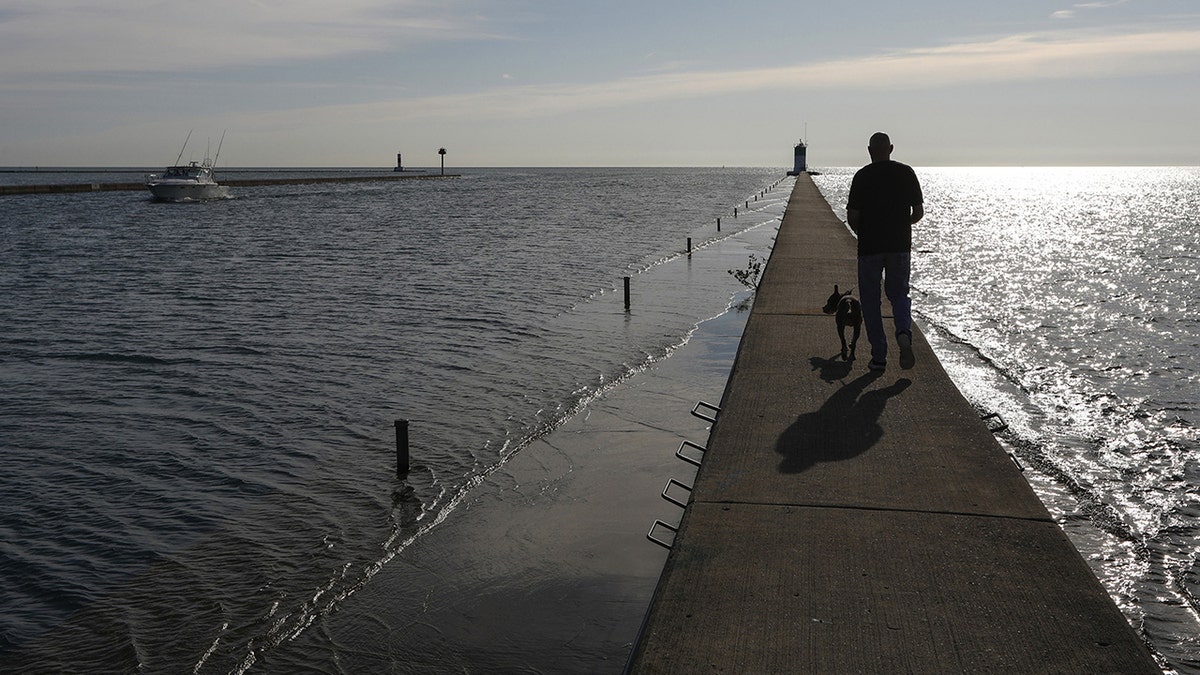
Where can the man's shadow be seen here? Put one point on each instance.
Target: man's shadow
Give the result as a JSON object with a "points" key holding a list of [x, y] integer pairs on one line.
{"points": [[845, 426]]}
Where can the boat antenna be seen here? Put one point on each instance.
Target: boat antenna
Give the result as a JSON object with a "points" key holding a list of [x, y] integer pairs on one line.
{"points": [[185, 142], [222, 142]]}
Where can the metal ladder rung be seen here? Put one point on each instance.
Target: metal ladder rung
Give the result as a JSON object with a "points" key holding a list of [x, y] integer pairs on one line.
{"points": [[709, 406], [667, 495], [1017, 461], [997, 429], [689, 460], [650, 534], [995, 416]]}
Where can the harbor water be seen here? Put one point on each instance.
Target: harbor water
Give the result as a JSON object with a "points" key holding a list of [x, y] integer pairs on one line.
{"points": [[197, 400]]}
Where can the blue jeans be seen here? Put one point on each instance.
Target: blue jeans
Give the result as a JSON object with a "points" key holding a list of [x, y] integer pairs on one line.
{"points": [[891, 271]]}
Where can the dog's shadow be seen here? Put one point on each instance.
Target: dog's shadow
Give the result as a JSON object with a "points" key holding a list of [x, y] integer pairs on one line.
{"points": [[845, 426], [833, 368]]}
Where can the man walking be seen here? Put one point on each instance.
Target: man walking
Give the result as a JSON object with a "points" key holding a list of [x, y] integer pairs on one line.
{"points": [[885, 201]]}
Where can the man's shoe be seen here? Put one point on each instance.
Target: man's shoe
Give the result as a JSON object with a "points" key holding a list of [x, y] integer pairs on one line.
{"points": [[907, 360], [877, 366]]}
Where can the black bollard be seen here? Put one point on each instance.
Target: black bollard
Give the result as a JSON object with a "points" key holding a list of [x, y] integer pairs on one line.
{"points": [[626, 294], [718, 224], [401, 447], [689, 245]]}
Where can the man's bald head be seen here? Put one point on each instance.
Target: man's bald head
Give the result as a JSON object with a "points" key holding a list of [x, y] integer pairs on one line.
{"points": [[879, 147]]}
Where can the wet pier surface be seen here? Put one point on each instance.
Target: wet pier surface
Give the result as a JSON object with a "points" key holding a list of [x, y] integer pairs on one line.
{"points": [[845, 521]]}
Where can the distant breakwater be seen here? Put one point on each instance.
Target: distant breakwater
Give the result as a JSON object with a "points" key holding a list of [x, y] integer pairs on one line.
{"points": [[249, 182]]}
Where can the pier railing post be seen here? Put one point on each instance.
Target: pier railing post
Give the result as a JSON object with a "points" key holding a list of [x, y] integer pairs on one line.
{"points": [[401, 447]]}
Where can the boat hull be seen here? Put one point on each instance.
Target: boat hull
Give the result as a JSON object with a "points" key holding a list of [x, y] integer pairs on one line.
{"points": [[171, 191]]}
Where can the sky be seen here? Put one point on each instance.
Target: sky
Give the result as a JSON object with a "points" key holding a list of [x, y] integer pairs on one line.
{"points": [[554, 83]]}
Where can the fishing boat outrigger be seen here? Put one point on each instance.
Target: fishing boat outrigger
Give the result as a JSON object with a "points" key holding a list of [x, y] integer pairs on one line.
{"points": [[192, 182]]}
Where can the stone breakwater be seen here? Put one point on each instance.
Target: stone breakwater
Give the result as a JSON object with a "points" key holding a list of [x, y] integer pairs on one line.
{"points": [[55, 188]]}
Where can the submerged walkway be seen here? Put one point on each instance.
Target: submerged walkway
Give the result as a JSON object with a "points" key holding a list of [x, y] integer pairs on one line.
{"points": [[845, 522]]}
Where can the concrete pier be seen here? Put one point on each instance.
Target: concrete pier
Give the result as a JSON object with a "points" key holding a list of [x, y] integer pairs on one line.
{"points": [[849, 522]]}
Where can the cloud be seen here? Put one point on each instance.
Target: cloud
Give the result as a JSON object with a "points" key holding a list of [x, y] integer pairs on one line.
{"points": [[1101, 5], [511, 106], [1073, 12], [1015, 58], [73, 36], [1063, 55], [264, 124]]}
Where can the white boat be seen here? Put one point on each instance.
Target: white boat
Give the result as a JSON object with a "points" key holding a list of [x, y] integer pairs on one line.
{"points": [[193, 182]]}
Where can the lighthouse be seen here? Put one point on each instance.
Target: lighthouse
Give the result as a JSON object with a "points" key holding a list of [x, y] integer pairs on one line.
{"points": [[801, 161]]}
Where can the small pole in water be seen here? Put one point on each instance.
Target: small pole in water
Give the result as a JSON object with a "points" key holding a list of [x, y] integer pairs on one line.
{"points": [[718, 224], [689, 245], [735, 212], [626, 294], [401, 447]]}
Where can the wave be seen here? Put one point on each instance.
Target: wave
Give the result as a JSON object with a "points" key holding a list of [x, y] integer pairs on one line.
{"points": [[109, 357]]}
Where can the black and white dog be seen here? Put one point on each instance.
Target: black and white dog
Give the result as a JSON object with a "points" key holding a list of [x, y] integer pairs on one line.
{"points": [[849, 314]]}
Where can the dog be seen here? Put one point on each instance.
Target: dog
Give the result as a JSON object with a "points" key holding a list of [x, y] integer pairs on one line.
{"points": [[849, 314]]}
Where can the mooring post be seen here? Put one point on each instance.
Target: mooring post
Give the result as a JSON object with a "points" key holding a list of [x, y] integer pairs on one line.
{"points": [[626, 294], [689, 245], [735, 212], [718, 224], [401, 447]]}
